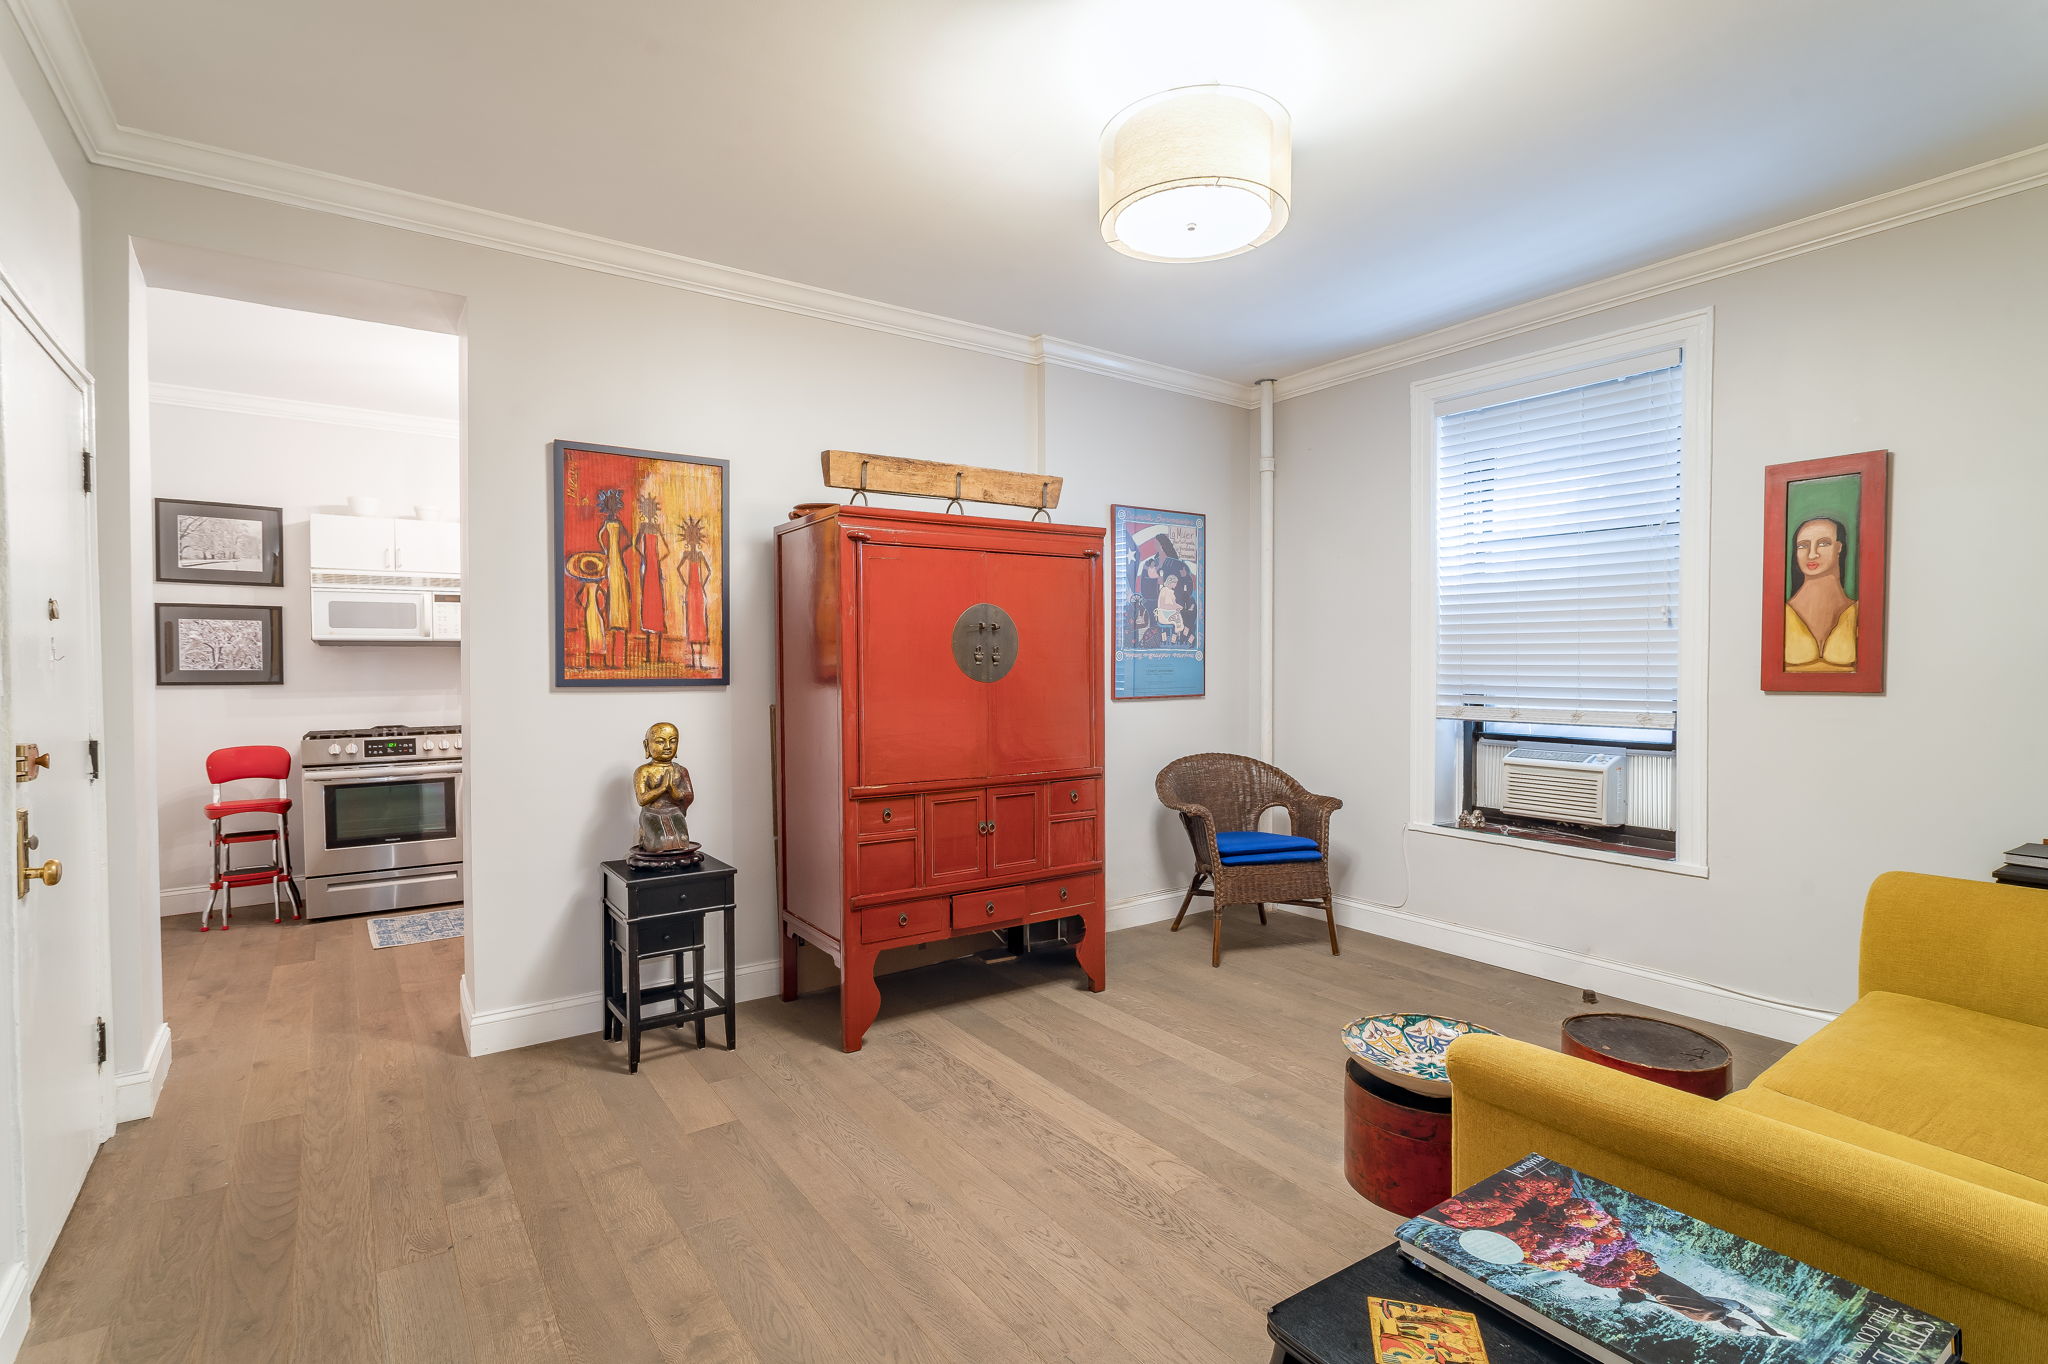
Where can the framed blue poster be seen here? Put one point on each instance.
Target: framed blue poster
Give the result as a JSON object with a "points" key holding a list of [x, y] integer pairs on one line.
{"points": [[1162, 572]]}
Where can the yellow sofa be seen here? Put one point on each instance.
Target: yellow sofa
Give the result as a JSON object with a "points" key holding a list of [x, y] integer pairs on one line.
{"points": [[1904, 1145]]}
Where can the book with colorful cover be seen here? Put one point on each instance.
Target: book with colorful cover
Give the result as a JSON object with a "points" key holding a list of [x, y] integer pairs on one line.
{"points": [[1417, 1333], [1628, 1281]]}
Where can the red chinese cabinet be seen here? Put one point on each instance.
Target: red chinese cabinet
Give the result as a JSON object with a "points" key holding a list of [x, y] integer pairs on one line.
{"points": [[939, 735]]}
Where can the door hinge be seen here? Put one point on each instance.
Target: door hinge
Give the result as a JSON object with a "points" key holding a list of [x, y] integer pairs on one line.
{"points": [[85, 458], [92, 759], [100, 1027]]}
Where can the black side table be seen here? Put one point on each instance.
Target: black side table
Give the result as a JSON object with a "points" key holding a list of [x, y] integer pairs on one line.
{"points": [[650, 914], [1325, 1323]]}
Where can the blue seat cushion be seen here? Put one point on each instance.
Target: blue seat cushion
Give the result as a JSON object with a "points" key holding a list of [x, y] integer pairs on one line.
{"points": [[1240, 844], [1282, 855]]}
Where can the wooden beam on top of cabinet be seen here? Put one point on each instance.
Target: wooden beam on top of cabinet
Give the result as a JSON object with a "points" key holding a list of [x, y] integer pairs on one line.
{"points": [[930, 478]]}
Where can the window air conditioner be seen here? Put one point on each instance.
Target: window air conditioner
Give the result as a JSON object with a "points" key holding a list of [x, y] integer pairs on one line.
{"points": [[1576, 785]]}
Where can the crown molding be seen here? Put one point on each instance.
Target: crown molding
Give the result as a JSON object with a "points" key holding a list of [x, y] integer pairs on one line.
{"points": [[60, 50], [1051, 350], [300, 410], [2012, 174]]}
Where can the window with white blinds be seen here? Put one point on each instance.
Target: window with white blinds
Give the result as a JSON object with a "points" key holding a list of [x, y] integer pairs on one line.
{"points": [[1557, 548]]}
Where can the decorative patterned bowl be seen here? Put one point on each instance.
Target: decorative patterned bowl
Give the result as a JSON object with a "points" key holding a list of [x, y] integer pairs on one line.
{"points": [[1408, 1049]]}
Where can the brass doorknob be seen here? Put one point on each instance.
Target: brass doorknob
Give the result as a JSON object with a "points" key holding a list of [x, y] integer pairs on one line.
{"points": [[26, 874]]}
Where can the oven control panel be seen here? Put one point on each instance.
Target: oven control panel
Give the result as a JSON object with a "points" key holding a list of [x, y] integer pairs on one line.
{"points": [[385, 744]]}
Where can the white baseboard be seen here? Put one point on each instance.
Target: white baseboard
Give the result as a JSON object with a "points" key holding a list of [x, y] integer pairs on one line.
{"points": [[136, 1091], [1643, 984], [182, 900], [1149, 908], [550, 1020], [13, 1309]]}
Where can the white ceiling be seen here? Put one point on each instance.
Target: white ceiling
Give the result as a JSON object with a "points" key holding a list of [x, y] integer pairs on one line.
{"points": [[223, 344], [1452, 157]]}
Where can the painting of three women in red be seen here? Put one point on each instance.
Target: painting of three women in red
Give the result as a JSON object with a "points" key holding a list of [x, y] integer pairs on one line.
{"points": [[640, 547]]}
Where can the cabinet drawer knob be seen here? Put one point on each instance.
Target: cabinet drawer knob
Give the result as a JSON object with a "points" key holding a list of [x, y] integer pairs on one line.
{"points": [[1063, 892], [902, 920], [991, 906], [1074, 796], [887, 814]]}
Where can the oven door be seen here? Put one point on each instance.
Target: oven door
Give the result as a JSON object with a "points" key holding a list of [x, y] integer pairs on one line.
{"points": [[385, 818], [369, 613]]}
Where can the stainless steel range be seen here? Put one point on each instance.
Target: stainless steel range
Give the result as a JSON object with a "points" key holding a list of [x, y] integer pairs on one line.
{"points": [[381, 810]]}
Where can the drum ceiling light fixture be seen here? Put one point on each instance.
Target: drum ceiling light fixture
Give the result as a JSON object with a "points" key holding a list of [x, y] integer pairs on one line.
{"points": [[1196, 173]]}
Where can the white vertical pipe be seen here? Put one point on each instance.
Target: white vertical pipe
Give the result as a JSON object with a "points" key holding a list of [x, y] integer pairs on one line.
{"points": [[1266, 581]]}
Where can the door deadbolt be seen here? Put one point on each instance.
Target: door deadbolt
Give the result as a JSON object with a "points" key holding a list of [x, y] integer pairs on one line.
{"points": [[27, 760]]}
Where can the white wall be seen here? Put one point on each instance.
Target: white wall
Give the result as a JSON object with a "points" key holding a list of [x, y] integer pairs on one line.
{"points": [[301, 466], [40, 256], [1116, 443], [555, 352], [1925, 340]]}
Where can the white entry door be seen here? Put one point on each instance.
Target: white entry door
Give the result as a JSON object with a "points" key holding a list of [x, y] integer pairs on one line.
{"points": [[57, 918]]}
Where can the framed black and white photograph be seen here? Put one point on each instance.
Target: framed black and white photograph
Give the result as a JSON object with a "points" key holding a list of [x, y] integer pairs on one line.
{"points": [[202, 644], [219, 542]]}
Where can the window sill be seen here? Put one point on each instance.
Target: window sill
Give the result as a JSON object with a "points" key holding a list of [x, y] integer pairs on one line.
{"points": [[1563, 850]]}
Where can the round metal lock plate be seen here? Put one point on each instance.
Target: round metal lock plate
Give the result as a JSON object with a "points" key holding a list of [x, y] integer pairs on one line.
{"points": [[985, 642]]}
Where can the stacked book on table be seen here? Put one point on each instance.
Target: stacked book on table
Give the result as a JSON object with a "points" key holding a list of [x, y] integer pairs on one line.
{"points": [[1623, 1280], [2026, 865]]}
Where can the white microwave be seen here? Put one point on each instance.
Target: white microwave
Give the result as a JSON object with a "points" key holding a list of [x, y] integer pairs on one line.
{"points": [[387, 615]]}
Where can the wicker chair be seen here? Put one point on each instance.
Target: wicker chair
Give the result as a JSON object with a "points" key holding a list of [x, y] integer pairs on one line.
{"points": [[1227, 793]]}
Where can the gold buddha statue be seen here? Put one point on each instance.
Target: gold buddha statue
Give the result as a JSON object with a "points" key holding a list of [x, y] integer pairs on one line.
{"points": [[661, 786]]}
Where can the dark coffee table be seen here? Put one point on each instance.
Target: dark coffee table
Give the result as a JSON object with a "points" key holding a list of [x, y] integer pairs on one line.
{"points": [[1325, 1323]]}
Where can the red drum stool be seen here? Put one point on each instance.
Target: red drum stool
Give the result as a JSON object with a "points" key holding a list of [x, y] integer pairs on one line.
{"points": [[1651, 1048], [1397, 1144], [252, 762]]}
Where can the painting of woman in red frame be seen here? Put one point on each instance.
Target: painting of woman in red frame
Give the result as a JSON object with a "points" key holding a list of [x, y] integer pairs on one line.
{"points": [[1825, 532]]}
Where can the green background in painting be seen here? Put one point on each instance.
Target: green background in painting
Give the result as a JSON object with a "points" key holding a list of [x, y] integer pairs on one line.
{"points": [[1839, 497]]}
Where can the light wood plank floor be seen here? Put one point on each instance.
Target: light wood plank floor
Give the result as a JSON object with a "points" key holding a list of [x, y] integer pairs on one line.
{"points": [[1013, 1169]]}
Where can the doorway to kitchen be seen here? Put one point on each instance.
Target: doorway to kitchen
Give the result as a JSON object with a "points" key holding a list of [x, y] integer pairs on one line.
{"points": [[305, 472]]}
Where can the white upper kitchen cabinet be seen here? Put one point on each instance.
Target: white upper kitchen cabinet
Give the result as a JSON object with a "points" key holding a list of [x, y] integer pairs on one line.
{"points": [[428, 546], [384, 544]]}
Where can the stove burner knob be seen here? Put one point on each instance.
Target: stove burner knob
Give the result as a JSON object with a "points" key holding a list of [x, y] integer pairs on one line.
{"points": [[444, 743], [333, 748], [458, 741], [350, 749]]}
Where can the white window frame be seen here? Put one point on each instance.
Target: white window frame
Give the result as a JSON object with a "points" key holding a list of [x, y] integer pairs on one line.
{"points": [[1692, 333]]}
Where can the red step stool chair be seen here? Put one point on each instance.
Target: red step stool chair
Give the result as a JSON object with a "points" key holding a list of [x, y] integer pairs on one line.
{"points": [[251, 762]]}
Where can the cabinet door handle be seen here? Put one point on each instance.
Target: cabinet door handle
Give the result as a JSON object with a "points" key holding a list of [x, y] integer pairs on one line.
{"points": [[1063, 892], [887, 814], [991, 907], [1074, 797], [902, 920]]}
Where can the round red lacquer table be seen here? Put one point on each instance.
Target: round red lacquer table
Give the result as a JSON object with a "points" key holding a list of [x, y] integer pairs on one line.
{"points": [[1651, 1048]]}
